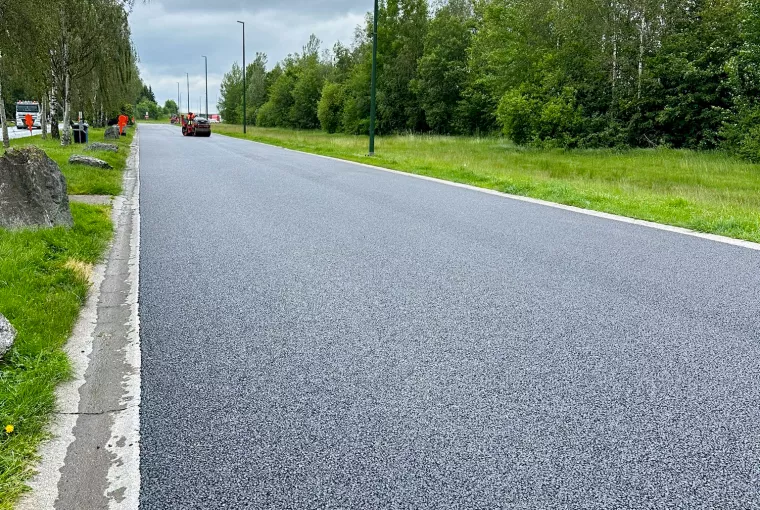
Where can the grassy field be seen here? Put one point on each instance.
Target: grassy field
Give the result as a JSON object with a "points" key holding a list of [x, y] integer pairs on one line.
{"points": [[44, 279], [165, 120], [703, 191], [85, 180]]}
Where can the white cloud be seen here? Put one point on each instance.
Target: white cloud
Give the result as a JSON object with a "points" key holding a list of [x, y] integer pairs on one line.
{"points": [[170, 37]]}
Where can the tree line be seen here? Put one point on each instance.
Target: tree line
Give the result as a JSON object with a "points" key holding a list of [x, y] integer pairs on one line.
{"points": [[70, 55], [558, 73], [146, 103]]}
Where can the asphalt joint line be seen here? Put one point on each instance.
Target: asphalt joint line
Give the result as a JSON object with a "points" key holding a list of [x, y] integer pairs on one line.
{"points": [[95, 413]]}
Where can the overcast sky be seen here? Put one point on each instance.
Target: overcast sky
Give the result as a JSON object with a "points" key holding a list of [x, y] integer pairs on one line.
{"points": [[275, 27]]}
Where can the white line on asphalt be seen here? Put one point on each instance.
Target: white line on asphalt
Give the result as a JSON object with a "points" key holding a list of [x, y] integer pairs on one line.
{"points": [[650, 224]]}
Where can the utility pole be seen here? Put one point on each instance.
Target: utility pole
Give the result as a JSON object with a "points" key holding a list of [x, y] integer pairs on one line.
{"points": [[373, 99], [244, 119], [179, 100], [188, 92], [206, 59]]}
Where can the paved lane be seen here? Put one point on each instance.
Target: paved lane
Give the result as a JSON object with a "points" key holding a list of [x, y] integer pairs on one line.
{"points": [[14, 133], [319, 334]]}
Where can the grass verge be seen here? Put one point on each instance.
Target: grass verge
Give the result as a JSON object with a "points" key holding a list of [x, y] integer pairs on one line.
{"points": [[154, 121], [44, 279], [703, 191], [43, 283], [81, 179]]}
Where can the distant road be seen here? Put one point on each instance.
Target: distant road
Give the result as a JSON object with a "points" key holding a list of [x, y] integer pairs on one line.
{"points": [[21, 133], [13, 132], [319, 334]]}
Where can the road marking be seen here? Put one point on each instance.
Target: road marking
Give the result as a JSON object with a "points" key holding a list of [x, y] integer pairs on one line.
{"points": [[589, 212]]}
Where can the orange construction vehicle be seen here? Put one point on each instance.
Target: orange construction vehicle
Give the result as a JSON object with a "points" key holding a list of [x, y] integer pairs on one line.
{"points": [[193, 125]]}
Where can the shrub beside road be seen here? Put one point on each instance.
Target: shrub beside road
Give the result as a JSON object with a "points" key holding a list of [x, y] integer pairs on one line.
{"points": [[44, 279], [703, 191]]}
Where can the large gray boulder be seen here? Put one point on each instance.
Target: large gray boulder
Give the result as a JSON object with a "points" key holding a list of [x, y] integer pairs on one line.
{"points": [[7, 335], [76, 159], [32, 190], [99, 146], [112, 133]]}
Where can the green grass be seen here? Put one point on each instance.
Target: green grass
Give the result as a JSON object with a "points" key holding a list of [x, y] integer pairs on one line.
{"points": [[85, 180], [154, 121], [703, 191], [43, 284], [41, 291]]}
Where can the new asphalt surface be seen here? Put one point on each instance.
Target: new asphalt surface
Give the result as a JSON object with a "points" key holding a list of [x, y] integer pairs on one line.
{"points": [[318, 334]]}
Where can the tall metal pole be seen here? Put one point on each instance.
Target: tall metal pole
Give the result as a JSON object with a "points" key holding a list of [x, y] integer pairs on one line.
{"points": [[179, 101], [244, 119], [206, 59], [373, 99], [188, 92]]}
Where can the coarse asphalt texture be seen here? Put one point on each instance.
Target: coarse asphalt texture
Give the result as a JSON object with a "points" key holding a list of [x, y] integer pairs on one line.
{"points": [[319, 334]]}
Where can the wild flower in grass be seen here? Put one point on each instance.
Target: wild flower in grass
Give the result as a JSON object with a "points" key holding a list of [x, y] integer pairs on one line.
{"points": [[9, 429]]}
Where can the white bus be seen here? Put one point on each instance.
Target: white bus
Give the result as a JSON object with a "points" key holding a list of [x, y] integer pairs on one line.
{"points": [[31, 108]]}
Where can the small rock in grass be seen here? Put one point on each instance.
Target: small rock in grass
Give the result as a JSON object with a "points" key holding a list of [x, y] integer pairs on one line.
{"points": [[76, 159], [7, 335], [112, 133], [98, 146]]}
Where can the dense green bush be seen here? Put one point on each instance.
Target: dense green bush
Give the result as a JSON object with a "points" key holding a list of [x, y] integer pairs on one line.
{"points": [[330, 108], [681, 74], [553, 120], [742, 136], [265, 116]]}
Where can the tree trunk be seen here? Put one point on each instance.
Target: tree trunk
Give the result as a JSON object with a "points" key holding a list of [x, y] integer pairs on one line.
{"points": [[43, 117], [66, 137], [54, 133], [3, 121]]}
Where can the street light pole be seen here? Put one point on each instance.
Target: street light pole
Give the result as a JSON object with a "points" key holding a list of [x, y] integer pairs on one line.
{"points": [[206, 59], [244, 119], [373, 99], [188, 92], [179, 101]]}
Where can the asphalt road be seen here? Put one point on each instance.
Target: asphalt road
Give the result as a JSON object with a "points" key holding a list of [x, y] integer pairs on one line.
{"points": [[318, 334]]}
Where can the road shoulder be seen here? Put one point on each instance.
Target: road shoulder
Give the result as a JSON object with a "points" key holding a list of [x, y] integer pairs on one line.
{"points": [[92, 460]]}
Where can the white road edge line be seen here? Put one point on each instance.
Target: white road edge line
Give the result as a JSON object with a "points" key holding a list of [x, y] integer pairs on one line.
{"points": [[609, 216]]}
